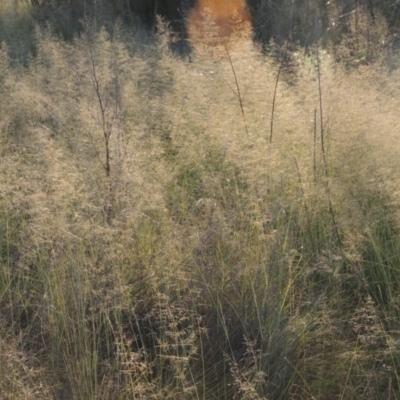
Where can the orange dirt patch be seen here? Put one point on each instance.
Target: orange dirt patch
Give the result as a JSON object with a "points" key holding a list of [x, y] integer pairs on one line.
{"points": [[218, 26]]}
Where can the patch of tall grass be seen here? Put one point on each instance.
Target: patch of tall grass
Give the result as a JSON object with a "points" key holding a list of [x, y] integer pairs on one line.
{"points": [[151, 248]]}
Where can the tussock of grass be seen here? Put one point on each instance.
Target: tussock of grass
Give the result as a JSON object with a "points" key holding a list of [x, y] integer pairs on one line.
{"points": [[152, 249]]}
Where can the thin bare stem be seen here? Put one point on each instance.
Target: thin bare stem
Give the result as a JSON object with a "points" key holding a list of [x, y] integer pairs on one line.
{"points": [[117, 105], [276, 90], [331, 210], [107, 129], [239, 94], [315, 147]]}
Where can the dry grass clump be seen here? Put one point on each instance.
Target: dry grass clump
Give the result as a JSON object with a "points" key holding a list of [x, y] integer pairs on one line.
{"points": [[156, 243]]}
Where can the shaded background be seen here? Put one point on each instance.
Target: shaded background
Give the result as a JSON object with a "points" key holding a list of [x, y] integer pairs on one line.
{"points": [[304, 20]]}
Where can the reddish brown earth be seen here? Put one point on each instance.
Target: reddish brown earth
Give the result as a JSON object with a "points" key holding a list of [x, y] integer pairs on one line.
{"points": [[218, 26]]}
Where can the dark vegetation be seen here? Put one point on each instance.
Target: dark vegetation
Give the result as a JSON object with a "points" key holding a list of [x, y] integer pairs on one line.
{"points": [[303, 21]]}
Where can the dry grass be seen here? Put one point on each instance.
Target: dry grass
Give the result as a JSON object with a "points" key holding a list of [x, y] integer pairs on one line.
{"points": [[203, 262]]}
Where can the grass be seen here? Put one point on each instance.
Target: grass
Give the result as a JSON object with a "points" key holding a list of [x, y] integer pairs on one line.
{"points": [[203, 262]]}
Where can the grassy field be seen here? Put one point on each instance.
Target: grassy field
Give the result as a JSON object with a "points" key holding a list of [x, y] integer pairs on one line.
{"points": [[180, 227]]}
